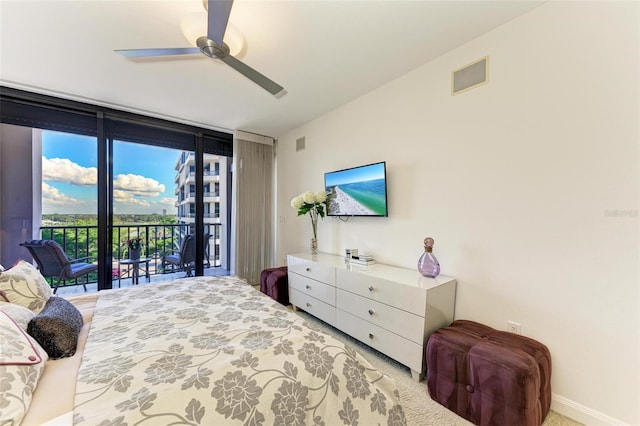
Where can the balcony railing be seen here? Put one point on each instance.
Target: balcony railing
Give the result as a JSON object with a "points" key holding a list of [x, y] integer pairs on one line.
{"points": [[206, 194], [158, 240], [206, 215]]}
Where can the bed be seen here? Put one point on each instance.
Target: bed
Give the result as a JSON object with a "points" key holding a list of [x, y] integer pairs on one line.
{"points": [[206, 351]]}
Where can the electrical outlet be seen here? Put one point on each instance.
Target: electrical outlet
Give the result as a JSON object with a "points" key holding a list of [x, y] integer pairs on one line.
{"points": [[514, 327]]}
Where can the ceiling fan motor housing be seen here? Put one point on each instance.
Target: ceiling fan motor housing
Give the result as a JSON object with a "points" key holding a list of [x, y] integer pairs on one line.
{"points": [[212, 49]]}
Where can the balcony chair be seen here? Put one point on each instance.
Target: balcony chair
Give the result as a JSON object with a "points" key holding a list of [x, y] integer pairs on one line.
{"points": [[185, 258], [53, 262]]}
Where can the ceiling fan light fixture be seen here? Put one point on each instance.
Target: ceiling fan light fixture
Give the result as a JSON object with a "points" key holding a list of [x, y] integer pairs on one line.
{"points": [[194, 26]]}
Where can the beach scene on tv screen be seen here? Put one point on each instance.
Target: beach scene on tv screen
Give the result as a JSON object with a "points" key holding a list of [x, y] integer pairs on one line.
{"points": [[360, 191]]}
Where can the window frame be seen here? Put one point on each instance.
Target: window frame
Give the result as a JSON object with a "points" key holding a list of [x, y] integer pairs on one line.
{"points": [[35, 110]]}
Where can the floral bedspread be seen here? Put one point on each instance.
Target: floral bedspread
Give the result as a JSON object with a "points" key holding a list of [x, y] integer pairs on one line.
{"points": [[214, 351]]}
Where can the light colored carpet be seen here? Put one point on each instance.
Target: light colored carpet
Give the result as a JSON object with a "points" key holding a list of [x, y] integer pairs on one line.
{"points": [[419, 408]]}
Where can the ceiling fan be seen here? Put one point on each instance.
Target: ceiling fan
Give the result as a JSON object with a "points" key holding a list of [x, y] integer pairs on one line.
{"points": [[213, 46]]}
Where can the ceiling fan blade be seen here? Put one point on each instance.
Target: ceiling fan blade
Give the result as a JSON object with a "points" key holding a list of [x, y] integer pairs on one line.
{"points": [[253, 75], [143, 53], [218, 17]]}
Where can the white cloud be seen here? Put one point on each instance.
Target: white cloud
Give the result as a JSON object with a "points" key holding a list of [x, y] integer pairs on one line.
{"points": [[131, 192], [65, 170], [167, 202], [52, 196], [138, 185], [128, 197], [127, 188]]}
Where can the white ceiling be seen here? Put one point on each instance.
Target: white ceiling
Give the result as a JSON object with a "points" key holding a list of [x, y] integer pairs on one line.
{"points": [[325, 53]]}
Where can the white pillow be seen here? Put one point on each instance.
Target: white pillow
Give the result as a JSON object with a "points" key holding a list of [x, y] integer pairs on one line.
{"points": [[19, 314], [24, 285], [22, 362]]}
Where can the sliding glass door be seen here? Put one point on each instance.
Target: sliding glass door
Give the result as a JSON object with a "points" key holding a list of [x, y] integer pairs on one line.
{"points": [[69, 188], [145, 226]]}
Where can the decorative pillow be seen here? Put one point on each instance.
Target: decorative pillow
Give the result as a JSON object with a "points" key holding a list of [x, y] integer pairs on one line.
{"points": [[56, 327], [19, 314], [22, 362], [24, 284]]}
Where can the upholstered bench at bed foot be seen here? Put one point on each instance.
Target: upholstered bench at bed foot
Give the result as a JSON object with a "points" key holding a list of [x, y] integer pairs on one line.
{"points": [[487, 376], [275, 284]]}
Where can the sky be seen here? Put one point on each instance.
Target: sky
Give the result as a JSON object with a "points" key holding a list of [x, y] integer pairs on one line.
{"points": [[143, 176], [356, 174]]}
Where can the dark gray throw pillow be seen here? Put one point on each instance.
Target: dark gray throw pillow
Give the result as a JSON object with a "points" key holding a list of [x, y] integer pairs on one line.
{"points": [[56, 328]]}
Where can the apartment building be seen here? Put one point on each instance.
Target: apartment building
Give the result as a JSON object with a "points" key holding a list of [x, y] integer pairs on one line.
{"points": [[215, 200]]}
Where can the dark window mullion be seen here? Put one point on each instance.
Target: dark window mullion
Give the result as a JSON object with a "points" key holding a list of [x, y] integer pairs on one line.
{"points": [[105, 207], [199, 205]]}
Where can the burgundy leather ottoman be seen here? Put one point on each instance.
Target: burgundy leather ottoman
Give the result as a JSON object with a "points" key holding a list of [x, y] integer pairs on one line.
{"points": [[275, 284], [487, 376]]}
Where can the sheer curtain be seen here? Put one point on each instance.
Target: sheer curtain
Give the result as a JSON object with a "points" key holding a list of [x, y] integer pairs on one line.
{"points": [[253, 205]]}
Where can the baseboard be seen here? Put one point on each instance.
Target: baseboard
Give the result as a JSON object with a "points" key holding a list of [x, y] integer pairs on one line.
{"points": [[580, 413]]}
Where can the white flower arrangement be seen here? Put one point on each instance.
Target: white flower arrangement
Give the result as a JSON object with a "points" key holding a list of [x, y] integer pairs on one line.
{"points": [[312, 203]]}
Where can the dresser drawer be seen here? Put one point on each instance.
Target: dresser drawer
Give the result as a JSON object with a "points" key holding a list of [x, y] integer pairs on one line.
{"points": [[403, 350], [403, 323], [316, 289], [313, 306], [405, 297], [313, 270]]}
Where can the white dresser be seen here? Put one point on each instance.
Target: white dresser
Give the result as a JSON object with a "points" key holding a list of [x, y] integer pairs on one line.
{"points": [[393, 310]]}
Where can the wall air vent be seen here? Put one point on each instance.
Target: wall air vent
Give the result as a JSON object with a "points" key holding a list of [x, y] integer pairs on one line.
{"points": [[470, 76], [300, 144]]}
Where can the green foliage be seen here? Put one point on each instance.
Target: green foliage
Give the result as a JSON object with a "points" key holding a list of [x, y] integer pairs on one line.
{"points": [[78, 233], [317, 208], [118, 219]]}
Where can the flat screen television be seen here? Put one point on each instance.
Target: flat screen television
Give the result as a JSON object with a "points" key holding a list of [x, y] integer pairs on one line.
{"points": [[358, 191]]}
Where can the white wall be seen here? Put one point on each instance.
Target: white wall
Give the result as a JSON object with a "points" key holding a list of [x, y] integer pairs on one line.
{"points": [[529, 185], [21, 207]]}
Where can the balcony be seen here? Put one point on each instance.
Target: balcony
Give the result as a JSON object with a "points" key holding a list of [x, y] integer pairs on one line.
{"points": [[211, 197], [158, 240], [190, 197]]}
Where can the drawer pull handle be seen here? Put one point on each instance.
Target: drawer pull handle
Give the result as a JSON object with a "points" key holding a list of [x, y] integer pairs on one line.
{"points": [[370, 287], [371, 311], [308, 305], [370, 335], [308, 269]]}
